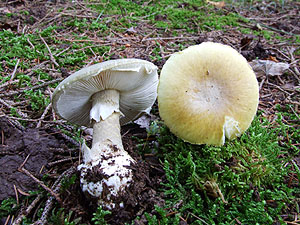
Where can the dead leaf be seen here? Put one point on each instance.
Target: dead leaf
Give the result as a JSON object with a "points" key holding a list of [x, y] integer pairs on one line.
{"points": [[268, 67], [131, 30], [272, 58], [216, 4], [145, 120]]}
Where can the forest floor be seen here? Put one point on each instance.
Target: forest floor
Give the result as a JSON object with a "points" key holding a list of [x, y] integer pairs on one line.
{"points": [[43, 42]]}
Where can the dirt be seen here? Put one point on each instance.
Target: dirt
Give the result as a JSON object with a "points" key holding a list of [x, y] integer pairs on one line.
{"points": [[15, 147]]}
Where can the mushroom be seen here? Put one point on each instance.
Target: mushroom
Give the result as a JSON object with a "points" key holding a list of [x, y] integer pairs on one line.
{"points": [[207, 92], [105, 96]]}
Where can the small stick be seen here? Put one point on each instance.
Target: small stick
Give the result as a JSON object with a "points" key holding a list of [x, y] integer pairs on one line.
{"points": [[197, 217], [293, 223], [63, 160], [58, 54], [21, 216], [171, 38], [295, 112], [7, 220], [15, 70], [262, 83], [279, 88], [43, 115], [5, 103], [49, 204], [2, 137], [32, 46], [15, 123], [23, 170], [31, 120], [39, 66], [17, 195], [72, 141], [31, 88], [22, 192], [79, 16], [8, 83], [50, 53], [84, 40]]}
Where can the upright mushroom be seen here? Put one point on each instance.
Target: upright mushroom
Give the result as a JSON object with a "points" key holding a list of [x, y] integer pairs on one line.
{"points": [[207, 92], [102, 96]]}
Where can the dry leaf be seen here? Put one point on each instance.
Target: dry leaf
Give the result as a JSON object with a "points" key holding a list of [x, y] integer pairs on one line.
{"points": [[216, 4], [131, 30], [272, 58], [268, 67], [145, 120]]}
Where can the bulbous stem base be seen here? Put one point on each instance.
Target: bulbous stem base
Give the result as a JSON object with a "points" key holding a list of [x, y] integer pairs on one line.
{"points": [[106, 172]]}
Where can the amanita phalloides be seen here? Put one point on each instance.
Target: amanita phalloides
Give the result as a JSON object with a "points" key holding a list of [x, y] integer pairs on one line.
{"points": [[103, 96], [207, 92]]}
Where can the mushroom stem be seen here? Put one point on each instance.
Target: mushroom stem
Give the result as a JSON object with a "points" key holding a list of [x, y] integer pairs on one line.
{"points": [[106, 172], [107, 130], [105, 115]]}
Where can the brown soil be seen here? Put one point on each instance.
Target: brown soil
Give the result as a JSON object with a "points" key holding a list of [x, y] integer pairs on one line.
{"points": [[38, 143]]}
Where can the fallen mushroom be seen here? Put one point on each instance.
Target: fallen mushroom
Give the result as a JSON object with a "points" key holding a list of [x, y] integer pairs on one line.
{"points": [[207, 92], [103, 96]]}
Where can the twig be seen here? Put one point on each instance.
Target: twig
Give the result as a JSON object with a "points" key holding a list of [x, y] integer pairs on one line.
{"points": [[171, 38], [21, 216], [41, 20], [271, 18], [279, 88], [85, 40], [32, 46], [23, 170], [66, 49], [16, 193], [262, 83], [50, 53], [79, 16], [39, 66], [295, 112], [56, 187], [71, 140], [62, 160], [197, 217], [293, 223], [15, 70], [15, 123], [296, 72], [43, 115], [7, 220], [31, 120], [31, 88], [5, 103], [273, 29], [8, 83]]}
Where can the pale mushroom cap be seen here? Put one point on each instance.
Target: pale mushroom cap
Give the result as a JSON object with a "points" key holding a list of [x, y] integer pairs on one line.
{"points": [[207, 91], [135, 79]]}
